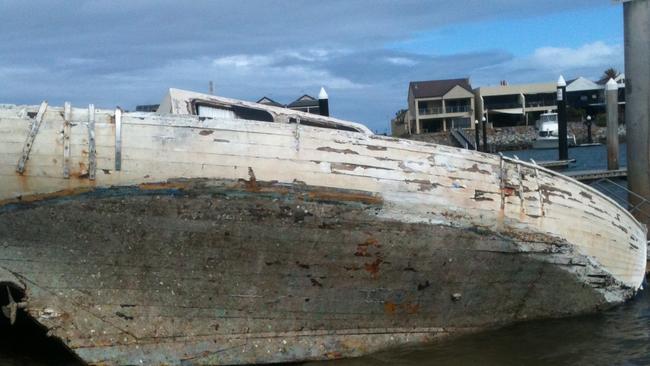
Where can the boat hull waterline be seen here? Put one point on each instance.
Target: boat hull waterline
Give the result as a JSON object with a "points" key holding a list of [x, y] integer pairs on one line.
{"points": [[234, 242]]}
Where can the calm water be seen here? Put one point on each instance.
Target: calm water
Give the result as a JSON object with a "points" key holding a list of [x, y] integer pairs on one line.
{"points": [[587, 158], [620, 336]]}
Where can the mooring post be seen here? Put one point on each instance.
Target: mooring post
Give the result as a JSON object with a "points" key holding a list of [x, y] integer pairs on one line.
{"points": [[323, 103], [484, 120], [611, 94], [636, 24], [562, 119], [476, 127]]}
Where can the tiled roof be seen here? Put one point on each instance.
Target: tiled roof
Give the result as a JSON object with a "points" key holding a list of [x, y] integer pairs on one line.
{"points": [[269, 101], [437, 88], [304, 101]]}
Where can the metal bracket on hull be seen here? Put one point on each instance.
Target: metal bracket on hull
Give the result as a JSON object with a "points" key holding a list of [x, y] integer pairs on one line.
{"points": [[118, 139], [92, 151], [67, 116], [36, 124], [11, 309]]}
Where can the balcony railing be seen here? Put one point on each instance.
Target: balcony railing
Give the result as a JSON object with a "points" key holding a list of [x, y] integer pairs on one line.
{"points": [[447, 109], [432, 110], [457, 109], [541, 103], [490, 106]]}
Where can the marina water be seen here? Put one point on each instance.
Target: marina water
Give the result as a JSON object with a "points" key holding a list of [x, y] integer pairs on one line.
{"points": [[620, 336]]}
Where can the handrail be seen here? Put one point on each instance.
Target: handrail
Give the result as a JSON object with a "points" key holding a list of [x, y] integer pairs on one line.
{"points": [[637, 207], [462, 138]]}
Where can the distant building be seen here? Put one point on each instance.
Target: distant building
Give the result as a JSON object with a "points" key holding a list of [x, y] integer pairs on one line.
{"points": [[269, 101], [584, 94], [440, 105], [306, 103], [589, 96], [514, 105]]}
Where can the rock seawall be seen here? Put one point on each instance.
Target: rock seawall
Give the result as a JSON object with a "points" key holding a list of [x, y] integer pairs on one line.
{"points": [[518, 137]]}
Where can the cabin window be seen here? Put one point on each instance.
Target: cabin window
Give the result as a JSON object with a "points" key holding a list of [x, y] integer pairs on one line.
{"points": [[312, 123], [210, 110], [326, 125]]}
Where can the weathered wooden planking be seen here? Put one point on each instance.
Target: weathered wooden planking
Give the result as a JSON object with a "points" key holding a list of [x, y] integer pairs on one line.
{"points": [[443, 158]]}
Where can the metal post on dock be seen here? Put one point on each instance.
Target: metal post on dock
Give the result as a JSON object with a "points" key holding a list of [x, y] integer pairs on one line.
{"points": [[323, 103], [611, 94], [484, 120], [636, 26], [562, 119], [476, 127]]}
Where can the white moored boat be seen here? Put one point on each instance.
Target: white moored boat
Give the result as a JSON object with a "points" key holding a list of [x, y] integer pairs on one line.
{"points": [[547, 132]]}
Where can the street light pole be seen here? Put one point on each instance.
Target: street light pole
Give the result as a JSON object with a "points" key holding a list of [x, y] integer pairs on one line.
{"points": [[589, 129], [485, 147], [562, 119], [476, 127]]}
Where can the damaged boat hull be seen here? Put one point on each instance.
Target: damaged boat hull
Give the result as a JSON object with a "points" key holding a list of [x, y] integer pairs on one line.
{"points": [[234, 242]]}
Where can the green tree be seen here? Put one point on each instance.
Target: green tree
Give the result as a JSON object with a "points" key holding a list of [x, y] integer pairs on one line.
{"points": [[610, 73]]}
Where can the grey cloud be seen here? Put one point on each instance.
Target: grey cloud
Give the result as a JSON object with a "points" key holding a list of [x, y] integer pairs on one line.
{"points": [[129, 52]]}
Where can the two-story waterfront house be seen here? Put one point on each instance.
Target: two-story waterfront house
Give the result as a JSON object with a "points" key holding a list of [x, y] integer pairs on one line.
{"points": [[440, 105]]}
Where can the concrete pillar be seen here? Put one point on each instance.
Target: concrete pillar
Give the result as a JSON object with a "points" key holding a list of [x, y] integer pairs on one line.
{"points": [[417, 118], [637, 93], [479, 106], [485, 146], [611, 94], [522, 101]]}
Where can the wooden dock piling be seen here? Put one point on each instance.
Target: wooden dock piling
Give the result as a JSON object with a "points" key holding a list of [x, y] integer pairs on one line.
{"points": [[611, 94]]}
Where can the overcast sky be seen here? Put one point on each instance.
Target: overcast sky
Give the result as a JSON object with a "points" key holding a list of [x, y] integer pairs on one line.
{"points": [[364, 52]]}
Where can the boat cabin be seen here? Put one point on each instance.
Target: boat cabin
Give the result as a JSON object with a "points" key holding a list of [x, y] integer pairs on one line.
{"points": [[185, 102]]}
